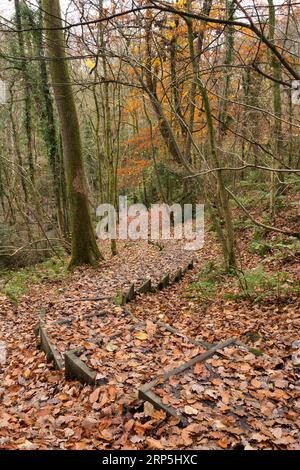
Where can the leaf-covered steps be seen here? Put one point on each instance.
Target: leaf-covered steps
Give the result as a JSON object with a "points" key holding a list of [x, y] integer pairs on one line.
{"points": [[75, 368], [148, 286]]}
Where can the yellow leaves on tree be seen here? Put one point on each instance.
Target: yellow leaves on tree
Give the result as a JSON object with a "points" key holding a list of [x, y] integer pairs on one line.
{"points": [[90, 64]]}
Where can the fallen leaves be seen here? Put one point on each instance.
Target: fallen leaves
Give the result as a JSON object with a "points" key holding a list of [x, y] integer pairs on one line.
{"points": [[232, 401], [221, 405], [189, 410], [191, 432], [154, 444], [151, 328], [255, 383], [27, 374], [141, 335], [3, 353], [223, 443], [111, 347], [94, 397]]}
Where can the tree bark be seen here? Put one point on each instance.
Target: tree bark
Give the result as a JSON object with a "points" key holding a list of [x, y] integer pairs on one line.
{"points": [[27, 92], [84, 245], [277, 142]]}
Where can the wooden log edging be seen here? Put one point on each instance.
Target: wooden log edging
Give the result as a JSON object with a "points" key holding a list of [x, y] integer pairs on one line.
{"points": [[145, 287], [148, 286], [45, 344], [178, 276], [128, 296], [76, 369], [163, 283], [147, 393]]}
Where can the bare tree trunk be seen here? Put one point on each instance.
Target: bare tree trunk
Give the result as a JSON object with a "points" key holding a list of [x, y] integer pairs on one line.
{"points": [[222, 202], [108, 148]]}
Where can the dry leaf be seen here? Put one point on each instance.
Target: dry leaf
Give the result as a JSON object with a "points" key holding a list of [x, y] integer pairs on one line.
{"points": [[94, 397], [154, 444], [223, 443], [111, 347], [256, 383], [141, 335], [27, 374], [189, 410]]}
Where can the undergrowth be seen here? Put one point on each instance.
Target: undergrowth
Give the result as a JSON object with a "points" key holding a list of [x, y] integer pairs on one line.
{"points": [[254, 284], [257, 284], [15, 283]]}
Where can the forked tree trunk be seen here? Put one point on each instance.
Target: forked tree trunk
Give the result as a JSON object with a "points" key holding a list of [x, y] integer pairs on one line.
{"points": [[84, 245]]}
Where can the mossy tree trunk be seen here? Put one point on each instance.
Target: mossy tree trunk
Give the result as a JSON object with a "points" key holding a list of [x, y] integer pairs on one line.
{"points": [[84, 245], [44, 102], [27, 91], [229, 52], [277, 106]]}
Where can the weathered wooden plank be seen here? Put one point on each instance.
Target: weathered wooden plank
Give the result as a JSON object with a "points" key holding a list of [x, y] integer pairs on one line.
{"points": [[76, 369], [145, 288], [188, 267], [164, 282], [185, 270], [187, 365], [155, 400], [52, 355], [178, 276], [191, 264], [170, 328], [37, 332], [129, 296], [87, 299], [146, 393], [69, 321]]}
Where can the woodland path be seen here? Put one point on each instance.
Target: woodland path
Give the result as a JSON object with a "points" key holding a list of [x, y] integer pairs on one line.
{"points": [[237, 400]]}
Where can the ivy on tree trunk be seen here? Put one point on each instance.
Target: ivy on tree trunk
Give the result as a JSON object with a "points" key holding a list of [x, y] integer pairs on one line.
{"points": [[84, 245]]}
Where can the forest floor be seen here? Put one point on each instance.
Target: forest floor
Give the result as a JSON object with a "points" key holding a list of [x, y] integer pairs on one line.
{"points": [[235, 400]]}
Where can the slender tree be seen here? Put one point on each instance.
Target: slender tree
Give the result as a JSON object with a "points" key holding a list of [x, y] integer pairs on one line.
{"points": [[277, 106], [27, 91]]}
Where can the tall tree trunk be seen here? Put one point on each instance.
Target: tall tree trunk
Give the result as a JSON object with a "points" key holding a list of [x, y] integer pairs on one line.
{"points": [[44, 101], [84, 245], [164, 125], [277, 142], [17, 147], [206, 9], [108, 147], [229, 44], [224, 215], [27, 91]]}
